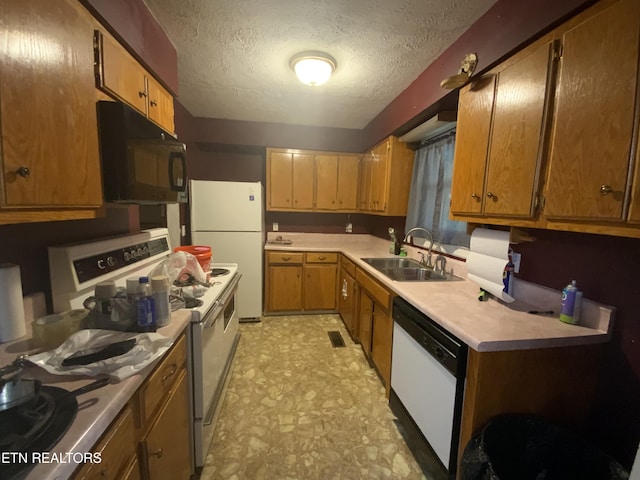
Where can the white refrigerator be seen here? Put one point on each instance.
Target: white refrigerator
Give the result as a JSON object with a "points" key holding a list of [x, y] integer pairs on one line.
{"points": [[229, 217]]}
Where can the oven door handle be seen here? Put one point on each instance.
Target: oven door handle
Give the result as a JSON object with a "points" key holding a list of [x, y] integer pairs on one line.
{"points": [[210, 319], [230, 290]]}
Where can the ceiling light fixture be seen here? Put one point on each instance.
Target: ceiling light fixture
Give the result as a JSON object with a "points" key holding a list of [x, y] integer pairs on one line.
{"points": [[313, 68], [466, 70]]}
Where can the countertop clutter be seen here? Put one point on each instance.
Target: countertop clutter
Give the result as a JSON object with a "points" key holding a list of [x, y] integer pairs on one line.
{"points": [[97, 409], [484, 326]]}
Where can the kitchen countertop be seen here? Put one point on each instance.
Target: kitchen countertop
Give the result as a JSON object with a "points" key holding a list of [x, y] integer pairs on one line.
{"points": [[97, 409], [484, 326]]}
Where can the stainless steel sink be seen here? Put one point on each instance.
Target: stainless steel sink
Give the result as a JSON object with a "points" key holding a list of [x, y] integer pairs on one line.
{"points": [[408, 270]]}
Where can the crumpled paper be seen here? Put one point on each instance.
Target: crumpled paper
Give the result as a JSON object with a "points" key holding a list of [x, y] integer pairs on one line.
{"points": [[148, 347]]}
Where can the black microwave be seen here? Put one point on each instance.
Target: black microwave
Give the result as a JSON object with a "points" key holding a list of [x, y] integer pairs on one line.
{"points": [[141, 163]]}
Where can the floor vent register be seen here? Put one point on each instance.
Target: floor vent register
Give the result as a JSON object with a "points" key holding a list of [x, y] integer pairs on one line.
{"points": [[336, 339]]}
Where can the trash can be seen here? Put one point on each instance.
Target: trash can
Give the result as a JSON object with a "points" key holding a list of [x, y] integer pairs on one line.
{"points": [[528, 447]]}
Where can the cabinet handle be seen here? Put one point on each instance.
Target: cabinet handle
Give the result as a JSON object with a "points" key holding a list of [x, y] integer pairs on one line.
{"points": [[605, 189], [286, 259], [24, 172], [490, 195], [475, 196], [142, 94], [174, 367], [322, 258], [153, 103], [158, 453]]}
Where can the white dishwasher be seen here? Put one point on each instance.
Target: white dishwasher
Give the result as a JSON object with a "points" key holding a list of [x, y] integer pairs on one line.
{"points": [[427, 385]]}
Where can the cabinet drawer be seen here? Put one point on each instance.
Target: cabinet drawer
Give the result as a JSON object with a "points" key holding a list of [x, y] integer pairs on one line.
{"points": [[322, 257], [379, 294], [347, 266], [117, 447], [155, 389], [285, 257]]}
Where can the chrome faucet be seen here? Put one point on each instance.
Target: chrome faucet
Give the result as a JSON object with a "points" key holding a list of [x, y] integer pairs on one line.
{"points": [[442, 260], [428, 263]]}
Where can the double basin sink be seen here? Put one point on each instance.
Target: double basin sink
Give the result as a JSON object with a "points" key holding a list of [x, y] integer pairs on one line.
{"points": [[408, 270]]}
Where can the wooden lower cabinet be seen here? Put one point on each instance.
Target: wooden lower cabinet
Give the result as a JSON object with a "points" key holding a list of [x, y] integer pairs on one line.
{"points": [[165, 449], [150, 437], [381, 342], [365, 321], [301, 282], [347, 304]]}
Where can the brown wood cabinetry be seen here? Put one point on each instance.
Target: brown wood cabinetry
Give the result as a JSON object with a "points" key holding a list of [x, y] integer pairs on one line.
{"points": [[375, 323], [384, 175], [347, 297], [49, 140], [562, 153], [336, 182], [499, 145], [154, 425], [594, 114], [121, 76], [298, 281], [289, 180]]}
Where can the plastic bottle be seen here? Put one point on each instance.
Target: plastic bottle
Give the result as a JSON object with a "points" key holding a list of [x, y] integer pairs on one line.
{"points": [[507, 277], [571, 303], [160, 287], [145, 307]]}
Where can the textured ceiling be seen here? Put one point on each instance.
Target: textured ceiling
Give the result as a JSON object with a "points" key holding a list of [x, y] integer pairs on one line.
{"points": [[233, 56]]}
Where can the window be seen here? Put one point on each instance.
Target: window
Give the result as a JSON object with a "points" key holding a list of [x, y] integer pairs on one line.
{"points": [[430, 195]]}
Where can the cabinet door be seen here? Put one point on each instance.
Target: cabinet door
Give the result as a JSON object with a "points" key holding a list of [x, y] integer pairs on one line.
{"points": [[166, 447], [326, 182], [346, 302], [472, 142], [381, 341], [160, 105], [347, 182], [285, 287], [365, 321], [120, 74], [379, 177], [594, 108], [280, 183], [364, 189], [50, 154], [320, 287], [517, 134], [303, 181]]}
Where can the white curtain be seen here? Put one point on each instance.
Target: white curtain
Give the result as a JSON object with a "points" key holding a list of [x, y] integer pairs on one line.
{"points": [[430, 193]]}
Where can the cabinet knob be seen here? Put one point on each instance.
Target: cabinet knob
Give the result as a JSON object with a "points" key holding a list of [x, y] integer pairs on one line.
{"points": [[475, 196], [158, 453], [605, 189], [153, 103], [142, 94], [173, 369], [490, 195], [24, 172]]}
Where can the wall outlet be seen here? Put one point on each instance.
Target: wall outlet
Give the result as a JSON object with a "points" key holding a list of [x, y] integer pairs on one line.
{"points": [[348, 228], [275, 226], [183, 230], [515, 259]]}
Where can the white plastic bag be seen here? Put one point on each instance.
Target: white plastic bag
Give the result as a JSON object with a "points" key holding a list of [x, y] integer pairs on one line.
{"points": [[179, 264], [148, 347]]}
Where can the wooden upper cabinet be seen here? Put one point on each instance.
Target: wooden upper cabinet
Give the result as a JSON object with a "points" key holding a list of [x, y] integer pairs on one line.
{"points": [[385, 174], [475, 107], [303, 180], [594, 113], [160, 108], [279, 180], [121, 76], [49, 150], [336, 182], [500, 142]]}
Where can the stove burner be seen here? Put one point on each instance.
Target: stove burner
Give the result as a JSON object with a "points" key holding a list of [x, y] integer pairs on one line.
{"points": [[219, 272], [190, 302], [35, 426]]}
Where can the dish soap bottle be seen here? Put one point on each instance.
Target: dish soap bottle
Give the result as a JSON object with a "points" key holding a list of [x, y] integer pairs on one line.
{"points": [[571, 304]]}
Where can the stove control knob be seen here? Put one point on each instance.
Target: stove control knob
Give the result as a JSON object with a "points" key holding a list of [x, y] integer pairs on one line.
{"points": [[133, 254], [126, 256], [139, 251], [101, 264], [111, 261]]}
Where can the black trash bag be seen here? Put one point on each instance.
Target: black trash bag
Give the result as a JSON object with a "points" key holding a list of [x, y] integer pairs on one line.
{"points": [[527, 447]]}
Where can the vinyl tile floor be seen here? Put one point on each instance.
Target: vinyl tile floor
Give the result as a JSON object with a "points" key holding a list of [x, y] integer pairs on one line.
{"points": [[298, 408]]}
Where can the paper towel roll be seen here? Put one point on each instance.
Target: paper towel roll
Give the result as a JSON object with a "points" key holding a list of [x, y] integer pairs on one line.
{"points": [[12, 324], [487, 259]]}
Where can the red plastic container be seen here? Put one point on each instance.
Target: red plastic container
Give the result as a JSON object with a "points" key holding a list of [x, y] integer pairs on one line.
{"points": [[201, 252]]}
